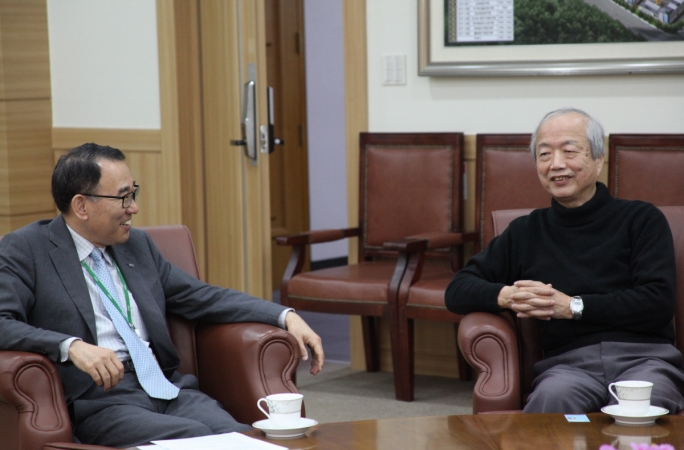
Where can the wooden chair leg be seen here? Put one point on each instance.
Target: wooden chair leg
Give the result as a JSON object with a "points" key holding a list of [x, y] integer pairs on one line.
{"points": [[403, 356], [465, 372], [370, 343]]}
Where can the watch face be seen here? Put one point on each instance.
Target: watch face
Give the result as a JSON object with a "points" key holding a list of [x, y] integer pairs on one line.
{"points": [[576, 307]]}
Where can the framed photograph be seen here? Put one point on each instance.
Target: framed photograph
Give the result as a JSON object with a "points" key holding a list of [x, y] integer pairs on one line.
{"points": [[482, 38]]}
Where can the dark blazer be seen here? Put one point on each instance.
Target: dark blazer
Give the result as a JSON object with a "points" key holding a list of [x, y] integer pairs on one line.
{"points": [[44, 297]]}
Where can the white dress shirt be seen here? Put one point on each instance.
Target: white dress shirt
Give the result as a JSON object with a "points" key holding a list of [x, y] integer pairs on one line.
{"points": [[107, 336]]}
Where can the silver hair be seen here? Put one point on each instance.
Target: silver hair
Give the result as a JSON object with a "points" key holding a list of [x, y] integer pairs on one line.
{"points": [[594, 132]]}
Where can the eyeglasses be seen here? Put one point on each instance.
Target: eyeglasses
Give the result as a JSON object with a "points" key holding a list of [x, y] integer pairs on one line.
{"points": [[126, 200]]}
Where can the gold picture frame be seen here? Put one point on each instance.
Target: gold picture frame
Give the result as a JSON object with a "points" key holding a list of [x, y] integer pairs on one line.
{"points": [[437, 60]]}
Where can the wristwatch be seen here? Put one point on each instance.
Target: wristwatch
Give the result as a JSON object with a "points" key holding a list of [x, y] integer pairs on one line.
{"points": [[576, 307]]}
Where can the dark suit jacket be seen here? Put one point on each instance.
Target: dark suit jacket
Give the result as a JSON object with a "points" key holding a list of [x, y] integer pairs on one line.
{"points": [[44, 298]]}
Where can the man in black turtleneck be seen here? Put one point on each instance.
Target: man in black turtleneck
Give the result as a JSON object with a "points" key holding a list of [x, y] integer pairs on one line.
{"points": [[598, 271]]}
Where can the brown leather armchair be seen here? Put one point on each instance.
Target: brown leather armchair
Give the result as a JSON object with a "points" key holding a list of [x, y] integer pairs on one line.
{"points": [[256, 360], [506, 179], [647, 167], [409, 191], [503, 349]]}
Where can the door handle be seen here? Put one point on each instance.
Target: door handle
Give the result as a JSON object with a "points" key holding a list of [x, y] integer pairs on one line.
{"points": [[248, 126], [272, 140]]}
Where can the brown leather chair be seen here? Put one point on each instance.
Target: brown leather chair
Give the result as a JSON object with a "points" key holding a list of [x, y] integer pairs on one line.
{"points": [[255, 360], [647, 167], [504, 349], [506, 179], [410, 187]]}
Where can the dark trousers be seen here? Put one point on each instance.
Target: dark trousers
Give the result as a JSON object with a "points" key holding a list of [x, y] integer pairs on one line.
{"points": [[126, 416], [577, 381]]}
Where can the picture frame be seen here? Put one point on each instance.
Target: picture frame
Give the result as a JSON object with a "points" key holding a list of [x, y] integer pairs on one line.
{"points": [[437, 60]]}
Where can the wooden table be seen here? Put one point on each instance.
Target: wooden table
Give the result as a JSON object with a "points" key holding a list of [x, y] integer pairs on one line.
{"points": [[485, 431]]}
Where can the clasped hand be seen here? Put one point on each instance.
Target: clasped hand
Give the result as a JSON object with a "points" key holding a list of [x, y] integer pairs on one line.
{"points": [[534, 299]]}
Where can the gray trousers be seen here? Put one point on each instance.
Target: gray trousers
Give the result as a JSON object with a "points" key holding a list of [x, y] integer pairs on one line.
{"points": [[576, 382], [126, 416]]}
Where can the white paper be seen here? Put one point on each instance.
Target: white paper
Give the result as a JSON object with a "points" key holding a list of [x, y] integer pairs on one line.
{"points": [[484, 20], [227, 441]]}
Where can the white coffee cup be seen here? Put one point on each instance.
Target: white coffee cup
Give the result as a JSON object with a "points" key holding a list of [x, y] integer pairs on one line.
{"points": [[634, 397], [284, 410]]}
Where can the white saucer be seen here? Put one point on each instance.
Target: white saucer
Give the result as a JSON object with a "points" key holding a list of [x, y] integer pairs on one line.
{"points": [[653, 413], [284, 433]]}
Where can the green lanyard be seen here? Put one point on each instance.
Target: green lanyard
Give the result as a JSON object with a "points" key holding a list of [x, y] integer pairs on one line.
{"points": [[128, 318]]}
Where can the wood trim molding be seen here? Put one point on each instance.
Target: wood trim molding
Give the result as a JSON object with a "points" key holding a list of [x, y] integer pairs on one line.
{"points": [[127, 140], [169, 140], [356, 107], [184, 107], [356, 104]]}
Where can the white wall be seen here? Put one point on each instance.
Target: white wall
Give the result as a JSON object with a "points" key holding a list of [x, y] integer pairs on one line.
{"points": [[104, 63], [324, 33], [623, 104]]}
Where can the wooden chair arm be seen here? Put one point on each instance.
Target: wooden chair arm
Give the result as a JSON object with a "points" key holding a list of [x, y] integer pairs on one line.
{"points": [[240, 363], [317, 236], [32, 404], [407, 245], [489, 344], [430, 241], [440, 239]]}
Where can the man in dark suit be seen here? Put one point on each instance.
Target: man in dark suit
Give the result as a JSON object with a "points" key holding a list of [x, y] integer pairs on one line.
{"points": [[91, 293]]}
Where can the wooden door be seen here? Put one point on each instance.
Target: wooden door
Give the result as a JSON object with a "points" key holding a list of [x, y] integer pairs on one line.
{"points": [[236, 200], [288, 163]]}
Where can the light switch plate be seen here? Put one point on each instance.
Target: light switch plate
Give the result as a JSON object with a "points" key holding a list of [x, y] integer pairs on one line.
{"points": [[394, 70]]}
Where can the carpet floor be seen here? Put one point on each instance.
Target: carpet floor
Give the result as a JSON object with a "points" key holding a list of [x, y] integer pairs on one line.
{"points": [[340, 394]]}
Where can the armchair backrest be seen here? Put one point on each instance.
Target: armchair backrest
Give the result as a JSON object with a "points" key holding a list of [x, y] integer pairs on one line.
{"points": [[647, 167], [175, 244], [529, 332], [410, 183], [506, 179]]}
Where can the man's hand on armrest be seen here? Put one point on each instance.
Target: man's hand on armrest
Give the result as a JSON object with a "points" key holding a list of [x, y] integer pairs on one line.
{"points": [[101, 364], [306, 336], [534, 299]]}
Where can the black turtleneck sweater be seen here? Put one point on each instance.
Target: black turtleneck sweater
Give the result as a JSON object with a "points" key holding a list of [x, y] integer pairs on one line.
{"points": [[616, 254]]}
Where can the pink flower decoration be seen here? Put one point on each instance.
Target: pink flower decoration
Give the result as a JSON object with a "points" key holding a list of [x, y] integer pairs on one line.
{"points": [[650, 447], [641, 447]]}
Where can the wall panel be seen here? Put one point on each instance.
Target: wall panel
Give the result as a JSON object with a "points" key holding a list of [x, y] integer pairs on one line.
{"points": [[25, 63], [26, 165], [25, 114]]}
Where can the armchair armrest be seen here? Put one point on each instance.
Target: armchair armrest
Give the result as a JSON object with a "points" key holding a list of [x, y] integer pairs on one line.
{"points": [[74, 446], [318, 236], [240, 363], [489, 344], [299, 243], [441, 239], [407, 245], [32, 406]]}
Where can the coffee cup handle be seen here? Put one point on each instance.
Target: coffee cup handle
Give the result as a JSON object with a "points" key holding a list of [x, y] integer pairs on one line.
{"points": [[610, 389], [262, 409]]}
